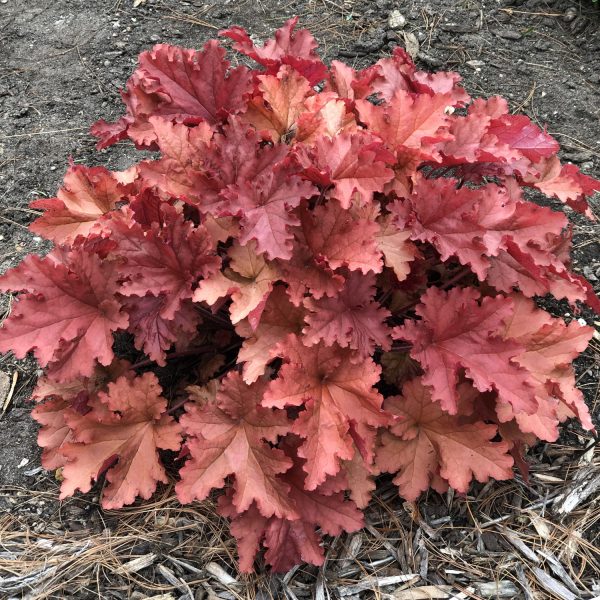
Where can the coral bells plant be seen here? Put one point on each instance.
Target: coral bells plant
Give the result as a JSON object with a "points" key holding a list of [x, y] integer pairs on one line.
{"points": [[345, 262]]}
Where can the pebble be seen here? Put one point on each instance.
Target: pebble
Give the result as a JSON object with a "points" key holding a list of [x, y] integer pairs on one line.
{"points": [[594, 78], [589, 274], [570, 14], [475, 64], [510, 34], [396, 20]]}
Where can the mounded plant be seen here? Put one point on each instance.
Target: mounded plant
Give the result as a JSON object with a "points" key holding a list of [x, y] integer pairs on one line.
{"points": [[345, 261]]}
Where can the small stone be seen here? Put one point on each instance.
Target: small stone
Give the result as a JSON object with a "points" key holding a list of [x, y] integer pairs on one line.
{"points": [[589, 274], [578, 25], [594, 78], [509, 34], [475, 64], [542, 45], [570, 14], [154, 38], [396, 20]]}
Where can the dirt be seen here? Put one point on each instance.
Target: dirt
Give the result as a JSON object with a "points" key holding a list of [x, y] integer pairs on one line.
{"points": [[62, 63]]}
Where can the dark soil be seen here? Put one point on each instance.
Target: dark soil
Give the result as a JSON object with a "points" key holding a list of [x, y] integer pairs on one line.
{"points": [[62, 63]]}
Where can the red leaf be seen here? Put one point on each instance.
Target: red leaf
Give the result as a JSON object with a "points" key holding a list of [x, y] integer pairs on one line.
{"points": [[264, 206], [444, 345], [65, 308], [399, 73], [352, 320], [180, 84], [295, 48], [169, 257], [128, 423], [413, 121], [519, 133], [229, 438], [350, 163], [474, 225], [87, 194], [426, 442], [153, 332]]}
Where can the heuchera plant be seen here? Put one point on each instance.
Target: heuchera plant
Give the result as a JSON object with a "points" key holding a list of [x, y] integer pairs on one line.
{"points": [[351, 257]]}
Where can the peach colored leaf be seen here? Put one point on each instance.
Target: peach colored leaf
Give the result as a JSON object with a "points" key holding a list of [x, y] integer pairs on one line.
{"points": [[348, 166], [248, 280], [274, 113], [564, 182], [289, 542], [393, 242], [127, 424], [550, 346], [326, 115], [426, 442], [336, 388], [179, 170], [408, 120], [54, 431], [230, 438], [278, 319]]}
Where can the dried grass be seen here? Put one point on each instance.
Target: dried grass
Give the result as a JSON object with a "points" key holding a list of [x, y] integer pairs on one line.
{"points": [[506, 540]]}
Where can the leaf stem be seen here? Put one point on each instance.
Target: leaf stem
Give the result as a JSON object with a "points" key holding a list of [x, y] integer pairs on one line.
{"points": [[177, 405]]}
